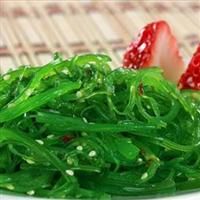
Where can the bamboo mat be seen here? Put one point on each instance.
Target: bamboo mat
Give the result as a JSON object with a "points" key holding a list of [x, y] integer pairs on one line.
{"points": [[31, 30]]}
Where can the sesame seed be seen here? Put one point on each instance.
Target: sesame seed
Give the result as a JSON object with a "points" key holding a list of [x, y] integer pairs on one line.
{"points": [[29, 92], [6, 77], [39, 142], [50, 136], [144, 176], [85, 120], [70, 172], [79, 148], [191, 179], [99, 58], [99, 81], [30, 161], [70, 161], [31, 192], [11, 105], [79, 94], [157, 159], [92, 153], [179, 174], [65, 71], [10, 187], [84, 134], [139, 160], [92, 62], [148, 107]]}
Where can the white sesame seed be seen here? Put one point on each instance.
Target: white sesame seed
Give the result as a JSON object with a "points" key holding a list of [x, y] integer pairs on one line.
{"points": [[92, 153], [10, 187], [79, 94], [6, 77], [84, 134], [92, 62], [79, 148], [65, 71], [50, 136], [87, 65], [191, 179], [144, 176], [99, 58], [157, 159], [179, 174], [31, 192], [69, 161], [148, 107], [28, 92], [99, 81], [139, 160], [70, 172], [39, 142], [11, 105], [30, 161], [85, 120]]}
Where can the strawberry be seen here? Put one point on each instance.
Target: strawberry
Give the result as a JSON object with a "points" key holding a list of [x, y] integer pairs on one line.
{"points": [[155, 46], [191, 77]]}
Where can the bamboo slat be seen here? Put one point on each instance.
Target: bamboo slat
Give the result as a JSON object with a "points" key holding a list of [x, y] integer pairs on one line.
{"points": [[31, 30]]}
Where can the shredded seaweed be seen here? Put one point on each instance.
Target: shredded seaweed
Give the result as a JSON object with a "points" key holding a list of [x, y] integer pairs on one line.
{"points": [[77, 129]]}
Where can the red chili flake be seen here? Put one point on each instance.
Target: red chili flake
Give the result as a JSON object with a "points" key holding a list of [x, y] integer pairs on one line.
{"points": [[141, 89], [66, 138]]}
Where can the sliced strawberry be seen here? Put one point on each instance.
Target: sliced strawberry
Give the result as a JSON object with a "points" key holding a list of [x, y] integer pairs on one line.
{"points": [[155, 46], [191, 78]]}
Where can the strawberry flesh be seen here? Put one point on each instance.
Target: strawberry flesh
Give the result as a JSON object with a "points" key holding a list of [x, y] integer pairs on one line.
{"points": [[191, 78], [155, 46]]}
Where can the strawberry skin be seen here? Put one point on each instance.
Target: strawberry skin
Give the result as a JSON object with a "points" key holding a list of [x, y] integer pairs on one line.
{"points": [[155, 46], [191, 78]]}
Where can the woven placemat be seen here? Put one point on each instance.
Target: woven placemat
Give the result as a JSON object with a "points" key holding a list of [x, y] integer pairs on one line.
{"points": [[31, 30]]}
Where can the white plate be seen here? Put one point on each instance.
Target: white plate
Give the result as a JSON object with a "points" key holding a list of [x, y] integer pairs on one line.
{"points": [[189, 196]]}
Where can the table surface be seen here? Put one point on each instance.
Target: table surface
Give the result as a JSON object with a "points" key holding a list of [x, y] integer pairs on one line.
{"points": [[30, 31]]}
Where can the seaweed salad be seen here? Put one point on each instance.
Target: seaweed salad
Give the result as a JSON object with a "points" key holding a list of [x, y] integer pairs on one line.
{"points": [[76, 128]]}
